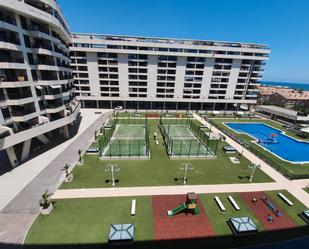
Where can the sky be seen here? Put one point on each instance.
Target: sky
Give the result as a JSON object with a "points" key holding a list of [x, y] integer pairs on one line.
{"points": [[281, 24]]}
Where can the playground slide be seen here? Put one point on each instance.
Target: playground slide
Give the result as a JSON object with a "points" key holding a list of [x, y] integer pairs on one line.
{"points": [[177, 210]]}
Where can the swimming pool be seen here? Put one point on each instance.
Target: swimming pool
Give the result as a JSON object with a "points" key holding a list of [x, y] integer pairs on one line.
{"points": [[275, 141]]}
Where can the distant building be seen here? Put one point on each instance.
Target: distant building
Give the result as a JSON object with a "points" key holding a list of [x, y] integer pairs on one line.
{"points": [[163, 73], [285, 97]]}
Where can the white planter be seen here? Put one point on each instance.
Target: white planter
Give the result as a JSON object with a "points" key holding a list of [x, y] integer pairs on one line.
{"points": [[47, 211], [80, 163], [69, 178]]}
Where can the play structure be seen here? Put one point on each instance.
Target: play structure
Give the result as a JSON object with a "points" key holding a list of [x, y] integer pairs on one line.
{"points": [[190, 206], [271, 139], [271, 206]]}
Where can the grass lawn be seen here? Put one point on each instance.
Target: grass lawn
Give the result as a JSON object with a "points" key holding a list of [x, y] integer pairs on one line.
{"points": [[87, 221], [295, 168], [160, 170]]}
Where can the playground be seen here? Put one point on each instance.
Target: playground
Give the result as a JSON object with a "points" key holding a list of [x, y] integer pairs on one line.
{"points": [[180, 225], [207, 227]]}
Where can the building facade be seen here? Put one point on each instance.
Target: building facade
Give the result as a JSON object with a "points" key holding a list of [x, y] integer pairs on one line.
{"points": [[36, 89], [158, 73]]}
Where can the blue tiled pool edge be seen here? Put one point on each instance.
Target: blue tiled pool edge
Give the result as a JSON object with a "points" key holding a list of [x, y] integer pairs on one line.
{"points": [[280, 133]]}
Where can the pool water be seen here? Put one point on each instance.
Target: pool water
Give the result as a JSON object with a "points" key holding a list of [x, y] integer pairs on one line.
{"points": [[275, 141]]}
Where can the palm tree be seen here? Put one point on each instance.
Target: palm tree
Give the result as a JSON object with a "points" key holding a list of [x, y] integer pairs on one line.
{"points": [[45, 201]]}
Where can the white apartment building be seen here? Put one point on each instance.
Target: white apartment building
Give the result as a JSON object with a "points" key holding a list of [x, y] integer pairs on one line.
{"points": [[36, 88], [160, 73]]}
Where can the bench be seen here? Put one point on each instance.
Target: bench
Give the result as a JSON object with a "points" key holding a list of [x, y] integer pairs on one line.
{"points": [[285, 199], [217, 199], [233, 202], [133, 207]]}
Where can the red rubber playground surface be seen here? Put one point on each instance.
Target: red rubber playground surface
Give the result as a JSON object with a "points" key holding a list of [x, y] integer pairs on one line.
{"points": [[180, 226], [261, 211]]}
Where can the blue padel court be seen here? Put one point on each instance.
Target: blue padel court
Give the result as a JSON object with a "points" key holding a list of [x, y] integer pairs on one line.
{"points": [[275, 141]]}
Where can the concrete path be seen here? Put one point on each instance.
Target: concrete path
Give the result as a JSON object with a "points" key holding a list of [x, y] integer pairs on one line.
{"points": [[303, 183], [164, 190], [17, 217], [291, 186]]}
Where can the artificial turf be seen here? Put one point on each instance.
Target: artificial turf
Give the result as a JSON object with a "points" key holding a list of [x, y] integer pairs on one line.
{"points": [[159, 170], [85, 223]]}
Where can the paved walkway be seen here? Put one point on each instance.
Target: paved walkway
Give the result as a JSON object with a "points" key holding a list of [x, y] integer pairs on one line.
{"points": [[164, 190], [19, 214]]}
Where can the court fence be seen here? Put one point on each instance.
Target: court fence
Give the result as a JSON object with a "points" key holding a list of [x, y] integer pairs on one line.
{"points": [[199, 145], [124, 147]]}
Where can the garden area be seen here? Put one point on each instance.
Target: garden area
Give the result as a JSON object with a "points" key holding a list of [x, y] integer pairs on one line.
{"points": [[160, 170], [85, 223], [291, 170]]}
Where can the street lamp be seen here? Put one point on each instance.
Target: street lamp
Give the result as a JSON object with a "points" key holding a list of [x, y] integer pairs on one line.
{"points": [[252, 166], [113, 168], [185, 167]]}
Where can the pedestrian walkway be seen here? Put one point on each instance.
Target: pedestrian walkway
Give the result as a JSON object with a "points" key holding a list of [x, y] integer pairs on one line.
{"points": [[165, 190], [48, 176]]}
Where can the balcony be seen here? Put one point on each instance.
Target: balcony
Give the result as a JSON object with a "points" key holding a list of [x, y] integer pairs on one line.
{"points": [[7, 18], [9, 39], [40, 129]]}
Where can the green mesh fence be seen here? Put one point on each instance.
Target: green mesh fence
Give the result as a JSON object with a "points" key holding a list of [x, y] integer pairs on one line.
{"points": [[184, 138], [127, 140]]}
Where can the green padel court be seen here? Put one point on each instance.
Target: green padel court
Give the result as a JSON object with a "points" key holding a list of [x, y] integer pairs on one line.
{"points": [[128, 140]]}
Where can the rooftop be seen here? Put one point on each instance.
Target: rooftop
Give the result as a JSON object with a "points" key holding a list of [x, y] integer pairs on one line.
{"points": [[287, 93], [170, 41]]}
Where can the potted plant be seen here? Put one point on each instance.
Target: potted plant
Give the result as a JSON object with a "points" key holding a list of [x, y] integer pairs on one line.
{"points": [[68, 175], [46, 204]]}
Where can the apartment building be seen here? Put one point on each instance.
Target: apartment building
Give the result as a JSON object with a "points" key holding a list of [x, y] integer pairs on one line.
{"points": [[36, 90], [159, 73]]}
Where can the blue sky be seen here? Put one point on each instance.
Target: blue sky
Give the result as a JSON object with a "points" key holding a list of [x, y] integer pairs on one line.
{"points": [[282, 24]]}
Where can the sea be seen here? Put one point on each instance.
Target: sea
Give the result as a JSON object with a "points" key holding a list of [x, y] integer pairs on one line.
{"points": [[299, 86]]}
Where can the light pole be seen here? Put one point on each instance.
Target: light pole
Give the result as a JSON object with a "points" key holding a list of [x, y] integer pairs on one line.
{"points": [[113, 168], [185, 167], [253, 167]]}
